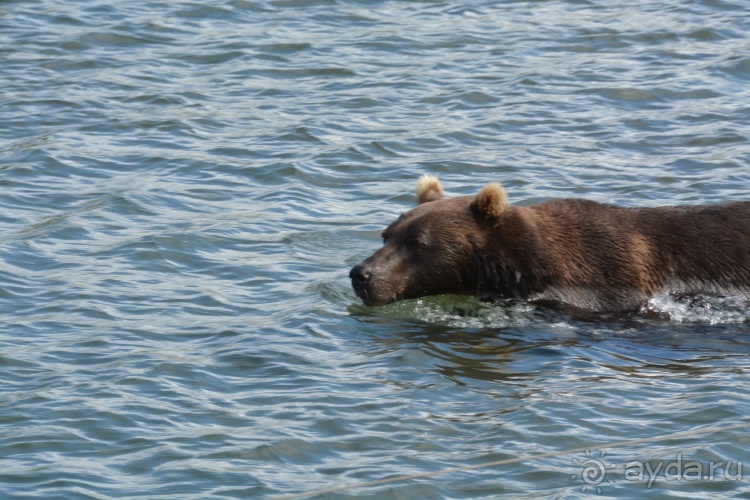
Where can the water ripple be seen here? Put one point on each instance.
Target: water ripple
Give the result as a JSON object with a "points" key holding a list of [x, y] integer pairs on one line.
{"points": [[184, 186]]}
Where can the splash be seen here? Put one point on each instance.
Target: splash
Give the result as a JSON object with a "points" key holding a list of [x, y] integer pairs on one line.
{"points": [[467, 312], [700, 308]]}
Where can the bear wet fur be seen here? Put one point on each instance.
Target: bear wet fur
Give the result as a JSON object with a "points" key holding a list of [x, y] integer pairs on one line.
{"points": [[571, 251]]}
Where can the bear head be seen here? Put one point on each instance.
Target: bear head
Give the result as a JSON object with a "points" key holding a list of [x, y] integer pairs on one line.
{"points": [[436, 248]]}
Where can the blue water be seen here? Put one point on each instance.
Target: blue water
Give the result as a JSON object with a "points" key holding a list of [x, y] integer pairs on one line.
{"points": [[184, 187]]}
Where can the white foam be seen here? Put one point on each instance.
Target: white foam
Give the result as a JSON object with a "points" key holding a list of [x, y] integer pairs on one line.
{"points": [[700, 308]]}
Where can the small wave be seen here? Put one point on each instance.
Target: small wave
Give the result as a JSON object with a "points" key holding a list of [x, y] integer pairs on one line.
{"points": [[700, 308], [461, 312], [468, 312]]}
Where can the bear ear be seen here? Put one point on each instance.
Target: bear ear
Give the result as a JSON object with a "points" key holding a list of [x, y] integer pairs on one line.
{"points": [[428, 189], [490, 202]]}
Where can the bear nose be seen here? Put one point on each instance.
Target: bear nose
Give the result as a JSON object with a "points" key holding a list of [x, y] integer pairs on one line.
{"points": [[360, 275]]}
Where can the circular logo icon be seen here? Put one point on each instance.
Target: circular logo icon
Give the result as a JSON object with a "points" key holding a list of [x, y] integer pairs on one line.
{"points": [[593, 472]]}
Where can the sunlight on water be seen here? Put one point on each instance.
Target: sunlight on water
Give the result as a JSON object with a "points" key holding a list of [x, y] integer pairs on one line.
{"points": [[184, 187]]}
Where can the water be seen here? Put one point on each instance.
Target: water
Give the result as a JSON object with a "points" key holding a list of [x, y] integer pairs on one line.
{"points": [[184, 187]]}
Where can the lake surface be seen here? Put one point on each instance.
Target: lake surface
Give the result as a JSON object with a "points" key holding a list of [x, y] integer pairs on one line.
{"points": [[184, 187]]}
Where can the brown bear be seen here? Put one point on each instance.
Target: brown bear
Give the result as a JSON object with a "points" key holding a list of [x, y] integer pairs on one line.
{"points": [[569, 251]]}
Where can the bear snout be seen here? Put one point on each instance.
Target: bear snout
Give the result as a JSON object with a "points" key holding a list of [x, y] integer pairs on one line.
{"points": [[360, 276]]}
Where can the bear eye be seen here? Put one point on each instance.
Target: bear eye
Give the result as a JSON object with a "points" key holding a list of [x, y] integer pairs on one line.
{"points": [[420, 240]]}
